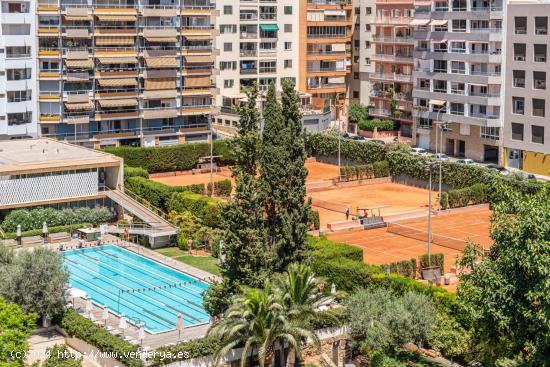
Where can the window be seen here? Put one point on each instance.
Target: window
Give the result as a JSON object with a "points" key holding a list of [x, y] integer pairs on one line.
{"points": [[489, 132], [537, 134], [440, 86], [457, 108], [288, 64], [517, 131], [288, 28], [356, 43], [457, 88], [228, 65], [519, 51], [355, 94], [541, 25], [19, 118], [357, 10], [368, 10], [367, 27], [459, 25], [538, 107], [288, 10], [19, 96], [520, 24], [18, 51], [518, 105], [440, 66], [355, 59], [228, 9], [228, 47], [519, 78], [228, 28], [288, 46], [19, 74], [228, 83], [367, 44], [539, 80], [367, 60], [458, 67], [540, 52]]}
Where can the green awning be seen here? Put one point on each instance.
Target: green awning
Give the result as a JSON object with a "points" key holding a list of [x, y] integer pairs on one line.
{"points": [[269, 27]]}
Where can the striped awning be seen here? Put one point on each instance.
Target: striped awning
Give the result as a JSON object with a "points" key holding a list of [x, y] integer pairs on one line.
{"points": [[119, 82], [117, 18], [77, 18], [198, 59], [126, 102], [79, 64], [160, 113], [78, 106], [199, 37], [162, 39], [118, 60], [161, 62], [160, 84], [76, 12], [159, 12], [77, 33], [114, 41], [198, 81], [160, 94]]}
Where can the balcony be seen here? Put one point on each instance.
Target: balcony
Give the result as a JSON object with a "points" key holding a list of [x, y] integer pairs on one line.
{"points": [[390, 39], [251, 53], [330, 2], [249, 35], [328, 35], [248, 71], [318, 69], [394, 77]]}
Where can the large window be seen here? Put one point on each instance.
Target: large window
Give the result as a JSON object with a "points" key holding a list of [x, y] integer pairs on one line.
{"points": [[539, 80], [517, 131], [18, 51], [489, 132], [19, 118], [540, 52], [520, 25], [18, 74], [537, 134], [519, 52], [538, 107], [518, 105], [519, 78], [19, 96], [541, 25]]}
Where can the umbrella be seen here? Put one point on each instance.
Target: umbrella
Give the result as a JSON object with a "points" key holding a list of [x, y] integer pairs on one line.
{"points": [[18, 234], [44, 228], [333, 289], [75, 293], [221, 253], [179, 325], [122, 324], [105, 314], [92, 317], [89, 305], [141, 333]]}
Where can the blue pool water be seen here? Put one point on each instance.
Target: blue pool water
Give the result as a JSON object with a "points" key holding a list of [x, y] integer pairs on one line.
{"points": [[104, 271]]}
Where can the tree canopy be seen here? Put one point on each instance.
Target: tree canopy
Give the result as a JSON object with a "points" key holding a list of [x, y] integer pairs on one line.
{"points": [[15, 328]]}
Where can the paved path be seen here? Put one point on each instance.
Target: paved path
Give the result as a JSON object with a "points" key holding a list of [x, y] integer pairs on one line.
{"points": [[40, 342]]}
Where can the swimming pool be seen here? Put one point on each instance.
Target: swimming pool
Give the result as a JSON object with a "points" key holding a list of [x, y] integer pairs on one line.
{"points": [[150, 293]]}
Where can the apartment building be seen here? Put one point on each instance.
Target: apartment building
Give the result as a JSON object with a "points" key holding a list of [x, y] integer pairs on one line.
{"points": [[526, 132], [363, 51], [120, 72], [457, 77], [18, 94], [391, 78]]}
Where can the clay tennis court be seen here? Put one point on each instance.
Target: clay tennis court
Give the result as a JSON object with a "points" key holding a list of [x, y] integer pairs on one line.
{"points": [[381, 247]]}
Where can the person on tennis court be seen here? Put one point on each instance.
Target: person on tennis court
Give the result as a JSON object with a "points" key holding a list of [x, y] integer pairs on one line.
{"points": [[347, 213]]}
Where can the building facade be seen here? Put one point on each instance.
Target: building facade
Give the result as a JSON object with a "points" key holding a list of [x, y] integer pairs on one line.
{"points": [[18, 88], [526, 132], [125, 72], [363, 51], [457, 77]]}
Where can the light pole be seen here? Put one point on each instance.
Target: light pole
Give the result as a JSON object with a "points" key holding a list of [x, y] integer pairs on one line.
{"points": [[430, 166], [439, 130], [211, 162]]}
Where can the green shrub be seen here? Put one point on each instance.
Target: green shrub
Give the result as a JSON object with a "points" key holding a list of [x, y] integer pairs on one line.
{"points": [[79, 327], [380, 169], [34, 218], [333, 317], [180, 157], [324, 249], [156, 193], [357, 112], [37, 232], [444, 200], [222, 188], [314, 220], [383, 360], [345, 273], [406, 268], [205, 208], [135, 172], [187, 350], [380, 125], [365, 171], [437, 259], [325, 145]]}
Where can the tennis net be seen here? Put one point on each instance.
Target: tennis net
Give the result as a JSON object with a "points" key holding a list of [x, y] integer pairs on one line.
{"points": [[418, 234], [336, 207]]}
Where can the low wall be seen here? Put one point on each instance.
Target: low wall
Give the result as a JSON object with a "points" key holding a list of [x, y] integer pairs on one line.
{"points": [[377, 134]]}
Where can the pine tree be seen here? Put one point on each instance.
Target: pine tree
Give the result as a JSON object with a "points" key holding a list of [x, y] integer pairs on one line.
{"points": [[246, 259]]}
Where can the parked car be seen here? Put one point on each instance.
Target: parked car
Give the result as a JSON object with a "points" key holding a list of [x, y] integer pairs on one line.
{"points": [[357, 137], [378, 141], [441, 157], [529, 176], [419, 151], [465, 161], [498, 168]]}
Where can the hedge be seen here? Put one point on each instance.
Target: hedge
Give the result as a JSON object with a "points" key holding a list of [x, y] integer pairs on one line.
{"points": [[180, 157], [34, 218], [222, 188], [325, 145], [437, 259], [79, 327], [156, 193], [406, 268], [365, 171], [135, 172], [205, 208], [325, 249], [475, 194], [187, 350], [380, 125], [38, 232]]}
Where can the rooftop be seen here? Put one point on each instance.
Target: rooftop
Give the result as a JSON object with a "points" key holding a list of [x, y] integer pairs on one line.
{"points": [[42, 155]]}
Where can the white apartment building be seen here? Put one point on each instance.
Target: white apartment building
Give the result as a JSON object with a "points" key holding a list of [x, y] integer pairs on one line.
{"points": [[18, 94], [363, 51], [457, 77], [257, 42], [526, 96]]}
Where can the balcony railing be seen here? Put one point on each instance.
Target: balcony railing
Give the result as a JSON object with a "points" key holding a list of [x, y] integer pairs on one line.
{"points": [[325, 52], [249, 71], [320, 69], [317, 35], [329, 2], [248, 52]]}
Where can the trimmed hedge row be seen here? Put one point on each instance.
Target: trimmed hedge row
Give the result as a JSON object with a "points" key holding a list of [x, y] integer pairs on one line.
{"points": [[155, 193], [79, 327], [406, 268], [203, 207], [380, 125], [325, 249], [173, 158], [135, 172], [475, 194], [222, 188], [319, 144], [366, 171], [38, 232], [437, 259]]}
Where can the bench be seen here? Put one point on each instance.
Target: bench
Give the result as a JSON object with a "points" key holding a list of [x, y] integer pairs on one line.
{"points": [[31, 241], [59, 237]]}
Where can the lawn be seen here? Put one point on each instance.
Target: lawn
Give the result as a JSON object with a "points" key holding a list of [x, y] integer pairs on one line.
{"points": [[206, 263]]}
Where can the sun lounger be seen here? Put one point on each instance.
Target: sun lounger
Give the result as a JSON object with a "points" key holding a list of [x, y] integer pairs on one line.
{"points": [[59, 237], [115, 332], [31, 241]]}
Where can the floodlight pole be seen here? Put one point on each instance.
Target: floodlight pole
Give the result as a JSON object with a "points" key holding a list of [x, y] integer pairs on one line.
{"points": [[211, 161], [430, 216]]}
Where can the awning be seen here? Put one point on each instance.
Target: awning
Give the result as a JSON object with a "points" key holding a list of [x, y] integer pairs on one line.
{"points": [[198, 81], [77, 55], [78, 98], [420, 22], [118, 60], [437, 102], [160, 94], [77, 77], [79, 64], [269, 27], [198, 59], [160, 113], [161, 62], [337, 13], [199, 37], [114, 41], [154, 12], [160, 33], [439, 22], [117, 18], [76, 18], [478, 84], [119, 82], [78, 106], [439, 41], [160, 84], [126, 102], [78, 12], [77, 33], [162, 39], [160, 74]]}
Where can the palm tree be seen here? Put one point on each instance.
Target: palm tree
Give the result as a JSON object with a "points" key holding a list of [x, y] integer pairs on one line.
{"points": [[257, 321], [301, 297]]}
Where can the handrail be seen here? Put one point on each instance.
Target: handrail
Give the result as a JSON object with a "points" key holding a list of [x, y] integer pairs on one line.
{"points": [[146, 203]]}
